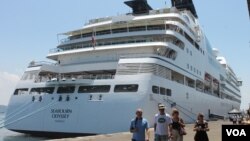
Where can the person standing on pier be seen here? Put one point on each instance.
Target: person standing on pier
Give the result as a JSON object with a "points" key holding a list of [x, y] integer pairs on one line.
{"points": [[139, 126], [201, 128], [162, 128], [177, 126]]}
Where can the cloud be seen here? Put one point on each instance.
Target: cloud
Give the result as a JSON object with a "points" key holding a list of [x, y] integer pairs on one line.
{"points": [[8, 83]]}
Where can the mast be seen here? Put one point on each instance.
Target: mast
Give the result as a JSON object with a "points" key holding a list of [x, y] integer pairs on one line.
{"points": [[248, 3]]}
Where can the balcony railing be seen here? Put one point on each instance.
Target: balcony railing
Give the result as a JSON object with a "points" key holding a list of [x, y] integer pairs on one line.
{"points": [[152, 12], [73, 77], [40, 63], [160, 27], [176, 42]]}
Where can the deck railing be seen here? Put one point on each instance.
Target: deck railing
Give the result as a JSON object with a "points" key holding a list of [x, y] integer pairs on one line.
{"points": [[89, 45], [40, 63], [73, 77]]}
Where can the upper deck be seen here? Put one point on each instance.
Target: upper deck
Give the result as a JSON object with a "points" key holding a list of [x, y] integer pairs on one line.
{"points": [[117, 24]]}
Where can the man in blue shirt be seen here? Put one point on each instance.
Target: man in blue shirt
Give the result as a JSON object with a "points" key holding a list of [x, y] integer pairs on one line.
{"points": [[139, 126]]}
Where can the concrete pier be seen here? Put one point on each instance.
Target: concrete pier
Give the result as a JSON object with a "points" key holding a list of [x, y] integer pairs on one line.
{"points": [[214, 134]]}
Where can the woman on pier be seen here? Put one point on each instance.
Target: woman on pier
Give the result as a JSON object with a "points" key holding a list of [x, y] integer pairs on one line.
{"points": [[201, 128], [177, 126]]}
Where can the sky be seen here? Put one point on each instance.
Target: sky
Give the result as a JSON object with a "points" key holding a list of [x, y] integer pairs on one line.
{"points": [[29, 28]]}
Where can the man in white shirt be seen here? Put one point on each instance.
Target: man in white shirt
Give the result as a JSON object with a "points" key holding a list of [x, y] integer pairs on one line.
{"points": [[162, 128]]}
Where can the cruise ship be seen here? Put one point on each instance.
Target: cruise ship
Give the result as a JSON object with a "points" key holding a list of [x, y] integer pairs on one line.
{"points": [[101, 73]]}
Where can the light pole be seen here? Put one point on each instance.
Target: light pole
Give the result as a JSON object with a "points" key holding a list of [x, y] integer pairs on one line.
{"points": [[248, 3]]}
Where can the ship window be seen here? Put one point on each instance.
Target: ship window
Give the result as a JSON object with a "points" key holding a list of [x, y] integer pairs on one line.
{"points": [[66, 89], [138, 28], [186, 18], [103, 32], [155, 89], [21, 91], [87, 35], [199, 85], [190, 82], [197, 46], [126, 88], [168, 53], [162, 91], [169, 92], [156, 27], [178, 43], [177, 77], [119, 30], [30, 75], [47, 90], [188, 38], [94, 89]]}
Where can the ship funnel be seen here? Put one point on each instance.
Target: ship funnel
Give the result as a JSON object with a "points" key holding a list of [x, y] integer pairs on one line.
{"points": [[185, 5], [139, 6]]}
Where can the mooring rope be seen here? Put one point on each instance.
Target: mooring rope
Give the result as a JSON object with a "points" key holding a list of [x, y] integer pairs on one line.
{"points": [[13, 114], [30, 114], [16, 111]]}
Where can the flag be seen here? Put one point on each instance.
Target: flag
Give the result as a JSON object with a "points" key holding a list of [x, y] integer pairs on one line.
{"points": [[93, 40]]}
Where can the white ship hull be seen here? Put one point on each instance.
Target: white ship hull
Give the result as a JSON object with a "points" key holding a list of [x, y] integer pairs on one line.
{"points": [[111, 114]]}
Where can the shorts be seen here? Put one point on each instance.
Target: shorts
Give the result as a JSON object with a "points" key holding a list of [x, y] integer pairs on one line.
{"points": [[161, 137], [136, 140]]}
